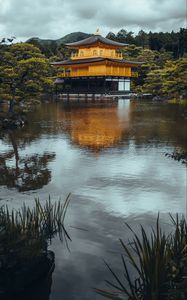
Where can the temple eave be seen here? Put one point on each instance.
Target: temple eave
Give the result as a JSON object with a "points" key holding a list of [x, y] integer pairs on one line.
{"points": [[88, 77], [94, 40], [75, 62]]}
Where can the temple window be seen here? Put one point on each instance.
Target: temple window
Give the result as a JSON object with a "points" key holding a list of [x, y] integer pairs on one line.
{"points": [[95, 52]]}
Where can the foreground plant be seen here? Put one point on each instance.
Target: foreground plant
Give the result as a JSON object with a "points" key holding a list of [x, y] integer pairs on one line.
{"points": [[24, 238], [29, 229], [159, 262]]}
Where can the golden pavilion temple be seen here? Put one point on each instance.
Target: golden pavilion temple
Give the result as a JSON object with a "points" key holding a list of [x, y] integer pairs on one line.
{"points": [[96, 66]]}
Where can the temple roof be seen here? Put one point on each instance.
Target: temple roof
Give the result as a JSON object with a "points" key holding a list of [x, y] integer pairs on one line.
{"points": [[94, 60], [95, 39]]}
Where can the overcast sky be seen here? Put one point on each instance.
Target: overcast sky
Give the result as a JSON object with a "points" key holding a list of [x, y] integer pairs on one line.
{"points": [[56, 18]]}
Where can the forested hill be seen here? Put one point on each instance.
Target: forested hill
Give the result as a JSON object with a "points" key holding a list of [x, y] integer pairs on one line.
{"points": [[174, 42], [71, 37], [50, 47]]}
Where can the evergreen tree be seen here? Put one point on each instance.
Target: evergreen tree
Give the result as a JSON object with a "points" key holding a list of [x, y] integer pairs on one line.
{"points": [[24, 71]]}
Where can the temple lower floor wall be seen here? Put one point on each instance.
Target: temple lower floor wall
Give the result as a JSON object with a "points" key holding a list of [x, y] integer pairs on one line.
{"points": [[93, 85]]}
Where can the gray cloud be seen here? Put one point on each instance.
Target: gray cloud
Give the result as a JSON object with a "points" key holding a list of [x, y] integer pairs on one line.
{"points": [[53, 19]]}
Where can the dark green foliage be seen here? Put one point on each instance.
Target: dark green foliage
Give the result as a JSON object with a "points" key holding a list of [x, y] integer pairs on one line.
{"points": [[24, 71], [159, 74], [125, 37], [170, 80], [175, 42], [159, 261]]}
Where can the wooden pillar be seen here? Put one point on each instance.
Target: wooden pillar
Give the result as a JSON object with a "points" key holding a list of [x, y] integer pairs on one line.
{"points": [[70, 84], [93, 97], [88, 85], [105, 85]]}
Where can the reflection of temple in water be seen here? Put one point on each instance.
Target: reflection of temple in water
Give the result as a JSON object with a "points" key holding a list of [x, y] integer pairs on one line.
{"points": [[96, 127]]}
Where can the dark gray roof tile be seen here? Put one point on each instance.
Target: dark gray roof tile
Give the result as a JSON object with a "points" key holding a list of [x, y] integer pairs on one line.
{"points": [[95, 39]]}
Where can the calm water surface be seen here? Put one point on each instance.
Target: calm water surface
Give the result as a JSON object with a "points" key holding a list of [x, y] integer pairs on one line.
{"points": [[111, 158]]}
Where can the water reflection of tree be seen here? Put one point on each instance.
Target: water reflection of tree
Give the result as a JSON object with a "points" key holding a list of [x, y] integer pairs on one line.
{"points": [[28, 173], [155, 123]]}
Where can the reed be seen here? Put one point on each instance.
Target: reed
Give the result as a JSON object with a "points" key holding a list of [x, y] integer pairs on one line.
{"points": [[28, 231], [159, 262]]}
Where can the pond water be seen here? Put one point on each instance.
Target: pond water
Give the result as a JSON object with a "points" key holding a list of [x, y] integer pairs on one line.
{"points": [[111, 158]]}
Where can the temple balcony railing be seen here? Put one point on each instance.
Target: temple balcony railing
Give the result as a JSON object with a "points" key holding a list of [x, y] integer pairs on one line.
{"points": [[125, 73], [113, 56]]}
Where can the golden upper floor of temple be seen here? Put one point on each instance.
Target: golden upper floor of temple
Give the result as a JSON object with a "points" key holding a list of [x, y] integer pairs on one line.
{"points": [[96, 46], [96, 52]]}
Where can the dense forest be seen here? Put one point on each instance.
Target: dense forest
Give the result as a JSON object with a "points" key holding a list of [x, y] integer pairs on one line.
{"points": [[174, 42], [25, 69]]}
